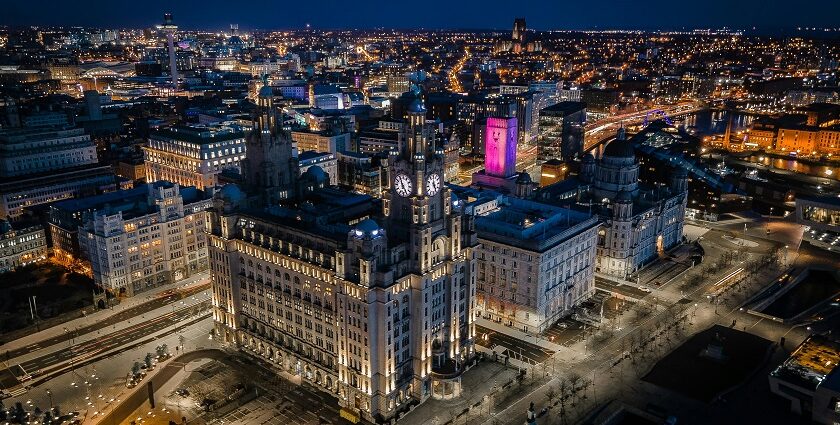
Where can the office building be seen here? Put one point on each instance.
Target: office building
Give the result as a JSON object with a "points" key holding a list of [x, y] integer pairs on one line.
{"points": [[639, 222], [327, 162], [321, 141], [534, 263], [362, 173], [561, 131], [29, 151], [144, 240], [19, 247], [193, 155], [16, 194]]}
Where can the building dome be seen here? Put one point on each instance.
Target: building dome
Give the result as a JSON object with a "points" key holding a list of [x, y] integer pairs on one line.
{"points": [[417, 106], [367, 225], [367, 228], [623, 196], [317, 174], [619, 148], [524, 178], [231, 193], [266, 91]]}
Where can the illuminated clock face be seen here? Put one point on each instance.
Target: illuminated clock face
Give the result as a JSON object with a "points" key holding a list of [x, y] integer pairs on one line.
{"points": [[432, 185], [402, 184]]}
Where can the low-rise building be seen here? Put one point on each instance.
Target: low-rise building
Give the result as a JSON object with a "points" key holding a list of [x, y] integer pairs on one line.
{"points": [[148, 242], [21, 246], [810, 379], [821, 216]]}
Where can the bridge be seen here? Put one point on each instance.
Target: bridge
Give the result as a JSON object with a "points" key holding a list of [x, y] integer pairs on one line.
{"points": [[598, 133]]}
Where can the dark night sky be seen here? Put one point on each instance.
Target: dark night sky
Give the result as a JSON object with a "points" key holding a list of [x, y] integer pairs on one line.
{"points": [[540, 14]]}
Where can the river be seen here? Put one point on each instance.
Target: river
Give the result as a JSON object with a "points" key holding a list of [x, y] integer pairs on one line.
{"points": [[711, 122]]}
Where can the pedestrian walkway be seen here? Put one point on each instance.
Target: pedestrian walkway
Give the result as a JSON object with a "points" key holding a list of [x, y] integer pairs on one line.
{"points": [[479, 385], [101, 315], [516, 333]]}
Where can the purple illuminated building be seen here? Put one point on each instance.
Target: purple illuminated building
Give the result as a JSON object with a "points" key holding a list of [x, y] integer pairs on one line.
{"points": [[500, 147], [499, 173]]}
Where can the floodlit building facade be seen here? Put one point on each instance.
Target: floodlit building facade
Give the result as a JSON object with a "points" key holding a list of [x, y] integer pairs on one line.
{"points": [[377, 312], [193, 155], [148, 242], [534, 263]]}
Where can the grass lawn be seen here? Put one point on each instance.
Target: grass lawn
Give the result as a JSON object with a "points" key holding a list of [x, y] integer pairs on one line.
{"points": [[686, 372], [56, 291]]}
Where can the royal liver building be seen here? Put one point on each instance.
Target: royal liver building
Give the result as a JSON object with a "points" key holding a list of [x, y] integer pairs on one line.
{"points": [[368, 299]]}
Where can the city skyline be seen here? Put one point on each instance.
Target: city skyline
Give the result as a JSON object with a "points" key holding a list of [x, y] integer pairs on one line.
{"points": [[752, 15], [247, 224]]}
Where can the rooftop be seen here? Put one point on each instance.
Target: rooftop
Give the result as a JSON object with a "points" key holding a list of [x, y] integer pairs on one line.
{"points": [[810, 363], [199, 135], [530, 223], [567, 107], [131, 202]]}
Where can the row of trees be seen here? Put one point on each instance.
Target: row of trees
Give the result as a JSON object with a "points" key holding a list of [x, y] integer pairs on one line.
{"points": [[18, 414]]}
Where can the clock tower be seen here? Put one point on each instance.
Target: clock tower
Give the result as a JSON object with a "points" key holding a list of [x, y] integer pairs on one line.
{"points": [[417, 202]]}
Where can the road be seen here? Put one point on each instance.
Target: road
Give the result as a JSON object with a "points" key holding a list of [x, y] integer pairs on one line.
{"points": [[601, 130], [42, 368], [615, 370], [161, 300]]}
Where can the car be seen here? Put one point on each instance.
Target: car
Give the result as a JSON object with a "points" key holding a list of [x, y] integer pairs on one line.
{"points": [[644, 289], [183, 392]]}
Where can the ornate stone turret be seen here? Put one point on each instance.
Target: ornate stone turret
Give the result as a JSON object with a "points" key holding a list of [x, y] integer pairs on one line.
{"points": [[587, 168], [679, 180], [269, 169]]}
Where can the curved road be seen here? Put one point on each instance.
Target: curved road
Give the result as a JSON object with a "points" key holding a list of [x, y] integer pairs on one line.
{"points": [[140, 395]]}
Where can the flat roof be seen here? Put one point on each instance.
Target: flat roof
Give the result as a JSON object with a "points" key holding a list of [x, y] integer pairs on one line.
{"points": [[810, 363], [199, 135]]}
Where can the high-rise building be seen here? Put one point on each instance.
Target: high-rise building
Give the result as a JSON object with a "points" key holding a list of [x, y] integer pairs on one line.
{"points": [[169, 28], [377, 312], [561, 131]]}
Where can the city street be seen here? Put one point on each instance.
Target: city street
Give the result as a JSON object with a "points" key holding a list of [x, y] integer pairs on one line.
{"points": [[44, 367]]}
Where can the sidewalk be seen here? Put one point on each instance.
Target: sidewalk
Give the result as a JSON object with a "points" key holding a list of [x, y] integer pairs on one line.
{"points": [[516, 333], [100, 315], [90, 336]]}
